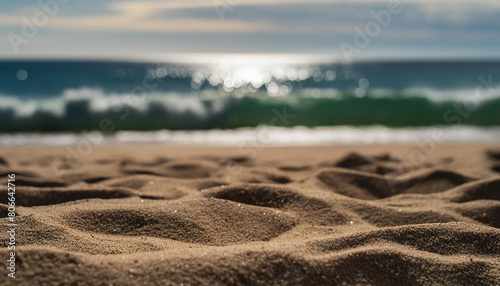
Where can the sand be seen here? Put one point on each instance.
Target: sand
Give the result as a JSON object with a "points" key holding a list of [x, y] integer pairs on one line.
{"points": [[159, 215]]}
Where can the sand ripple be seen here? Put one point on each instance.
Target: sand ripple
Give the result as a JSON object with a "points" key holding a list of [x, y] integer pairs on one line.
{"points": [[352, 219]]}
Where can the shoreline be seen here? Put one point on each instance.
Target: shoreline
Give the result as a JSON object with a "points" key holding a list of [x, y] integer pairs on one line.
{"points": [[263, 136]]}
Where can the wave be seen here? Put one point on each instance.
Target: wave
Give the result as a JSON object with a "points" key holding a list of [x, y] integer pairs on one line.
{"points": [[90, 109]]}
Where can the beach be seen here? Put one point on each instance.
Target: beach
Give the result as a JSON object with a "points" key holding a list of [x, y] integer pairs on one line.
{"points": [[286, 142], [151, 214]]}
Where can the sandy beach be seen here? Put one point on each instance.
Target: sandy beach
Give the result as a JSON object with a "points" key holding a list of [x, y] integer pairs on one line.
{"points": [[289, 142], [158, 215]]}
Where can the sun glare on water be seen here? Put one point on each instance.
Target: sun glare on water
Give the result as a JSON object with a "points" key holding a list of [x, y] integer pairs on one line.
{"points": [[250, 73]]}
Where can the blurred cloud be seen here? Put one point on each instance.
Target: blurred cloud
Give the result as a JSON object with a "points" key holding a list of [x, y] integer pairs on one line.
{"points": [[310, 26]]}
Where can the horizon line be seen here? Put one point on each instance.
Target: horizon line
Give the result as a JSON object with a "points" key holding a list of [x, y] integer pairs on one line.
{"points": [[251, 58]]}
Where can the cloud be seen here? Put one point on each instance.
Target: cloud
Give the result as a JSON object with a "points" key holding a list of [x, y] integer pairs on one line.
{"points": [[131, 16], [181, 16], [253, 25]]}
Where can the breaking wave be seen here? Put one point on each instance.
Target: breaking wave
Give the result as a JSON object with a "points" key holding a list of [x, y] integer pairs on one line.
{"points": [[89, 109]]}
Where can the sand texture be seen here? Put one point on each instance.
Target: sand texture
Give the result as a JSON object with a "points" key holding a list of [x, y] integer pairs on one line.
{"points": [[157, 215]]}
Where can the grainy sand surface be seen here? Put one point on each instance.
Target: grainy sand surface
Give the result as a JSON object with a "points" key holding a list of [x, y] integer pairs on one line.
{"points": [[157, 215]]}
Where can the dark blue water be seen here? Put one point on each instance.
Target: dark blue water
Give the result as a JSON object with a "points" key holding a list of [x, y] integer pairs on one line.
{"points": [[78, 95]]}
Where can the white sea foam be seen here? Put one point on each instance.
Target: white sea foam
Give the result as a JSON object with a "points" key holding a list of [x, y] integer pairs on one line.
{"points": [[99, 102], [267, 136]]}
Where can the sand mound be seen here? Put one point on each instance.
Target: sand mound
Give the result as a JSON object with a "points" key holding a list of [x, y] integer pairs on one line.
{"points": [[29, 196], [368, 186], [487, 189], [309, 209], [203, 221], [191, 217]]}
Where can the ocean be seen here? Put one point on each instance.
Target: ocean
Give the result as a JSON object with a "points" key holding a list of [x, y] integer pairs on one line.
{"points": [[324, 102]]}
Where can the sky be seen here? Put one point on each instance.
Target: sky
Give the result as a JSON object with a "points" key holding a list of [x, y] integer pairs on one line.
{"points": [[355, 29]]}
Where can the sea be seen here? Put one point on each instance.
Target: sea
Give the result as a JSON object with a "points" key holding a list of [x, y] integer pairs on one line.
{"points": [[227, 101]]}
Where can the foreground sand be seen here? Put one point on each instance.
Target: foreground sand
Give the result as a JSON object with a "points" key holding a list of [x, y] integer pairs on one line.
{"points": [[156, 215]]}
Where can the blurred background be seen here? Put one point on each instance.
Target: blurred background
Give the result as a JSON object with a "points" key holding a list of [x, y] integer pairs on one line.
{"points": [[283, 72]]}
